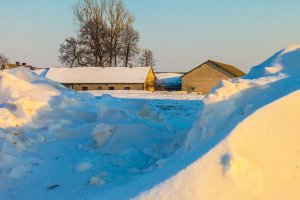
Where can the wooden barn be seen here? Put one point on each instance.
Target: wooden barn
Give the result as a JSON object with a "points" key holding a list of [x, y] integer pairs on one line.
{"points": [[104, 78], [207, 75]]}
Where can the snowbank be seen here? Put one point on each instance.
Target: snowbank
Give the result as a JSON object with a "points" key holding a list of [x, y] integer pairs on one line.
{"points": [[31, 110], [285, 61], [68, 145], [258, 160], [238, 154], [140, 94]]}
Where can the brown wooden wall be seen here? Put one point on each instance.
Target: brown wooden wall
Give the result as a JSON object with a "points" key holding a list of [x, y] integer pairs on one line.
{"points": [[204, 78]]}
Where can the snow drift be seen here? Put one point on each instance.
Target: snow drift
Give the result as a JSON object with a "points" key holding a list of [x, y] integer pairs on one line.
{"points": [[52, 137], [258, 160], [285, 61], [242, 149]]}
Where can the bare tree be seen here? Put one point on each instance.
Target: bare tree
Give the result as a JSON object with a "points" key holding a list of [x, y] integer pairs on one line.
{"points": [[146, 58], [105, 35], [90, 17], [101, 26], [129, 45], [72, 53], [3, 60], [118, 20]]}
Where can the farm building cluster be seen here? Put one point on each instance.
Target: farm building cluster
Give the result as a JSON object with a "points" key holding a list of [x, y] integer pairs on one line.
{"points": [[201, 79]]}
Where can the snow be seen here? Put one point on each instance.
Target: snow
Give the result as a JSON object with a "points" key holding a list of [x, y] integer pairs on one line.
{"points": [[67, 144], [84, 166], [284, 61], [166, 75], [96, 181], [239, 142], [98, 74], [169, 78], [102, 133], [16, 108], [291, 48], [245, 142], [258, 160], [139, 94], [41, 71]]}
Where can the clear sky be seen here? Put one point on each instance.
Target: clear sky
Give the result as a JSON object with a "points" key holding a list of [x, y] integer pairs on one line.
{"points": [[182, 33]]}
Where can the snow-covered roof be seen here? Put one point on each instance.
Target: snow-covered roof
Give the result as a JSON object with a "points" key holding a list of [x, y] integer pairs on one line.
{"points": [[98, 74], [165, 75], [169, 78], [41, 71]]}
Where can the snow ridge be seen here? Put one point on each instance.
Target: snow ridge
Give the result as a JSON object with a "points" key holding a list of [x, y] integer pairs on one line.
{"points": [[233, 156]]}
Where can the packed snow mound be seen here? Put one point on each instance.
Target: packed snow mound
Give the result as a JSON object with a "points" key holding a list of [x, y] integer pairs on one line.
{"points": [[286, 61], [72, 145], [259, 160], [22, 95], [228, 105]]}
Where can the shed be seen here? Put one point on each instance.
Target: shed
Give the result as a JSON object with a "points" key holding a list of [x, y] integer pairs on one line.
{"points": [[207, 75]]}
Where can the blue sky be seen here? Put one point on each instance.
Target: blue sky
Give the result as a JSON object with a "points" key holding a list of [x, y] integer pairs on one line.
{"points": [[182, 33]]}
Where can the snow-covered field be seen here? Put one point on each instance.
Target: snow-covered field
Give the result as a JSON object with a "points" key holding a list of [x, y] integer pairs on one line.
{"points": [[239, 142], [139, 94], [69, 145]]}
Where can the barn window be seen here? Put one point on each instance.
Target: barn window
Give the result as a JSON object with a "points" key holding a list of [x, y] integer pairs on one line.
{"points": [[111, 88], [127, 88], [84, 88]]}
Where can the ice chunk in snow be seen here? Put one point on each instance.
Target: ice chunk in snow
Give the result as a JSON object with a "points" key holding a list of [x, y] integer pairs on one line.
{"points": [[84, 166], [6, 160], [96, 181], [18, 172], [102, 133], [146, 111], [107, 111]]}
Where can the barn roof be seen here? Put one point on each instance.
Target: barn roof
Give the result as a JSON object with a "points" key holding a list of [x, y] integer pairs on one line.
{"points": [[98, 74], [229, 68]]}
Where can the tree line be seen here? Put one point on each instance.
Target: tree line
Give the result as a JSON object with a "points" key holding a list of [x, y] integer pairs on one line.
{"points": [[105, 37]]}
